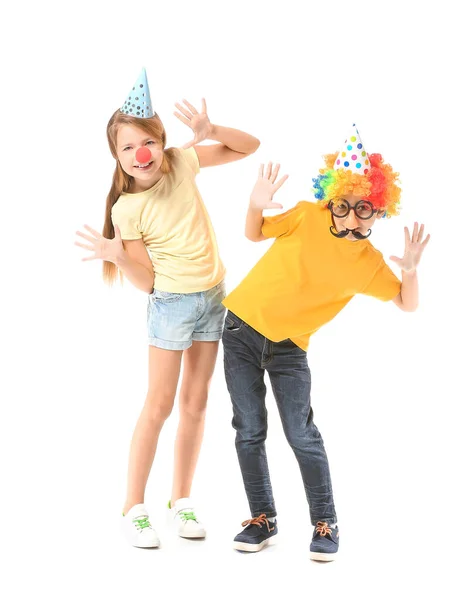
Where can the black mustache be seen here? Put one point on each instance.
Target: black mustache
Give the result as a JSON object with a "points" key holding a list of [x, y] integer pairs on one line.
{"points": [[356, 234]]}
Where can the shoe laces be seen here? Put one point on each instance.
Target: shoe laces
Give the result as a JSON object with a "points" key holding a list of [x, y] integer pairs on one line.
{"points": [[142, 523], [259, 521], [322, 528], [187, 515]]}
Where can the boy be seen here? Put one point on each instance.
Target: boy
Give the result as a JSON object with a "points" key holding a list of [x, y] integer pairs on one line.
{"points": [[320, 259]]}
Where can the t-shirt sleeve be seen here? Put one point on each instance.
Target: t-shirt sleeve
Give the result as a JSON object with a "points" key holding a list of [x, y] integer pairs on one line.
{"points": [[285, 223], [128, 223], [190, 157], [385, 285]]}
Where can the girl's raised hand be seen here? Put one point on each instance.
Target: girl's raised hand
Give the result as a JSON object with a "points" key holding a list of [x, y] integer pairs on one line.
{"points": [[413, 249], [198, 122], [103, 248], [265, 188]]}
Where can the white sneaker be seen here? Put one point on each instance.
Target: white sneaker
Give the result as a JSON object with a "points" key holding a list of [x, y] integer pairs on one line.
{"points": [[137, 528], [182, 515]]}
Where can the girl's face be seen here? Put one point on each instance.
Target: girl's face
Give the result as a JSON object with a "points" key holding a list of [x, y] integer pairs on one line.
{"points": [[143, 165]]}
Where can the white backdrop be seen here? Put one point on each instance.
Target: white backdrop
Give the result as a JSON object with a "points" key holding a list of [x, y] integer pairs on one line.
{"points": [[385, 391]]}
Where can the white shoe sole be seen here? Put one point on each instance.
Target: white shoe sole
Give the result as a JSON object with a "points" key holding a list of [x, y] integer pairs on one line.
{"points": [[195, 535], [323, 556], [253, 547]]}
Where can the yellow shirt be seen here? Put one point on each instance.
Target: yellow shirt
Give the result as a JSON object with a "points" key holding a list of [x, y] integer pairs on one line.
{"points": [[307, 276], [175, 227]]}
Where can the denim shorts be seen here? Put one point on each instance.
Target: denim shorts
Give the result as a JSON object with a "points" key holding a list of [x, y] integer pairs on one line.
{"points": [[174, 320]]}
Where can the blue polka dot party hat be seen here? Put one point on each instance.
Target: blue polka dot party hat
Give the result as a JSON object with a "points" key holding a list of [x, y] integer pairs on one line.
{"points": [[353, 156], [138, 102]]}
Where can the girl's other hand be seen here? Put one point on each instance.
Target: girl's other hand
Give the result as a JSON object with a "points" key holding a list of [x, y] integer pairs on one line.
{"points": [[265, 188], [198, 122], [103, 248]]}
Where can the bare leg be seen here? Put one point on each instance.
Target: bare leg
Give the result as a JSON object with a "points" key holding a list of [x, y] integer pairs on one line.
{"points": [[199, 363], [164, 367]]}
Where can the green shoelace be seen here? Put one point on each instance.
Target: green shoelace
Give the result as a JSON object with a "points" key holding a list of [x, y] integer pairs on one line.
{"points": [[142, 523], [187, 516]]}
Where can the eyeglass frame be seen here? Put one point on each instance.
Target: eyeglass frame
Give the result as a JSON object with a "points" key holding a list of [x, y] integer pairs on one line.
{"points": [[354, 208]]}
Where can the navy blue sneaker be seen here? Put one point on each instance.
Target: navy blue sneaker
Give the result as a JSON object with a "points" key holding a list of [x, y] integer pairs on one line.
{"points": [[258, 533], [325, 541]]}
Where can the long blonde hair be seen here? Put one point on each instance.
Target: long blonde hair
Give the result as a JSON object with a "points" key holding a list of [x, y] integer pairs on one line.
{"points": [[121, 181]]}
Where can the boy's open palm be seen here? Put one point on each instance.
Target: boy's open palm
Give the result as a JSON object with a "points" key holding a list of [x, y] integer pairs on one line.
{"points": [[414, 247], [265, 188]]}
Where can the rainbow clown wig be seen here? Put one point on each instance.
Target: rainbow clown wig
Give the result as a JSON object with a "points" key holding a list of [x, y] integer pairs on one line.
{"points": [[353, 171]]}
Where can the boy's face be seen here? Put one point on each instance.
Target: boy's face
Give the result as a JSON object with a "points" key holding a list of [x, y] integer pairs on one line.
{"points": [[352, 222]]}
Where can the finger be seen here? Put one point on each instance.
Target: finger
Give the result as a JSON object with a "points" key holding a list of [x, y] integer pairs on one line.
{"points": [[192, 109], [421, 233], [268, 170], [86, 237], [261, 170], [88, 258], [181, 118], [275, 172], [407, 236], [273, 205], [189, 144], [426, 241], [279, 184], [204, 108], [85, 246], [414, 237], [117, 233], [396, 259], [93, 231], [185, 112]]}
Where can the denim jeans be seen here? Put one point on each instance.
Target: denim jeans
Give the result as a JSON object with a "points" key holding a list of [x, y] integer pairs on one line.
{"points": [[247, 355]]}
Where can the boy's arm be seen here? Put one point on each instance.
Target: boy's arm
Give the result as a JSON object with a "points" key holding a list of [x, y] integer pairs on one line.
{"points": [[261, 198], [407, 300]]}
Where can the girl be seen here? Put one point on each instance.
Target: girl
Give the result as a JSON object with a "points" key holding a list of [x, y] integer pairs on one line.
{"points": [[157, 233]]}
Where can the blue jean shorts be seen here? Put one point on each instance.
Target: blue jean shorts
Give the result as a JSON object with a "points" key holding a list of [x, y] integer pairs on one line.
{"points": [[174, 320]]}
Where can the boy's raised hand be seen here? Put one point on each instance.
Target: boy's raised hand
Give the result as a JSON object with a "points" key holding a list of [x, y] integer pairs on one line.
{"points": [[413, 249], [198, 122], [102, 247], [265, 188]]}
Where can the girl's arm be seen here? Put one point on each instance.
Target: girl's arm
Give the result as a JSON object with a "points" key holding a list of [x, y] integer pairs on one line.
{"points": [[136, 265], [234, 144], [130, 256]]}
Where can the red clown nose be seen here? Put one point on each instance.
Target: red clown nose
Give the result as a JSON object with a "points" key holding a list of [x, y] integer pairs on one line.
{"points": [[143, 155]]}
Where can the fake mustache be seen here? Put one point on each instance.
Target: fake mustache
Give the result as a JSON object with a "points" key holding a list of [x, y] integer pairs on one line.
{"points": [[356, 234]]}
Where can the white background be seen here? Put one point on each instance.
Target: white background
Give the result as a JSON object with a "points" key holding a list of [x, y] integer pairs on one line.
{"points": [[74, 356]]}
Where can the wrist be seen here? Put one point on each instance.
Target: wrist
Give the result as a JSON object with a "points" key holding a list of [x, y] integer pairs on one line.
{"points": [[212, 135], [119, 259]]}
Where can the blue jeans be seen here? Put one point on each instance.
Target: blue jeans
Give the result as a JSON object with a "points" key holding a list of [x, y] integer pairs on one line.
{"points": [[247, 355]]}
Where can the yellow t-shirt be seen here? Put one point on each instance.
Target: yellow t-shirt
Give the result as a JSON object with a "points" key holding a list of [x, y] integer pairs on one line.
{"points": [[307, 276], [175, 227]]}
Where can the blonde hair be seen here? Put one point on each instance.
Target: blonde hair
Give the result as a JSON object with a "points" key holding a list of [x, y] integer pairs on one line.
{"points": [[121, 181]]}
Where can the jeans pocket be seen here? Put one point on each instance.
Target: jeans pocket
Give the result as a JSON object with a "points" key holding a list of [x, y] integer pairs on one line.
{"points": [[233, 324], [166, 297]]}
